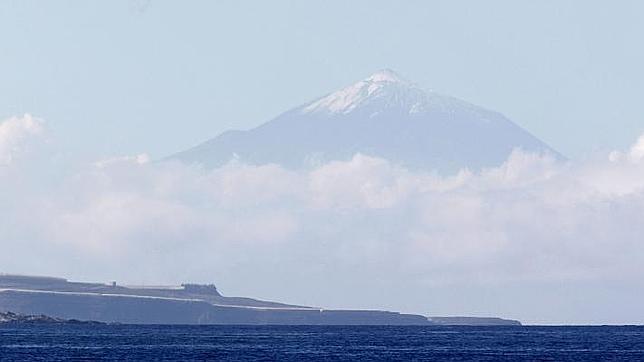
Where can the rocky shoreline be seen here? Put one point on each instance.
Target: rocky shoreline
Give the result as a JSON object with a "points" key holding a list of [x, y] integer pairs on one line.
{"points": [[16, 318]]}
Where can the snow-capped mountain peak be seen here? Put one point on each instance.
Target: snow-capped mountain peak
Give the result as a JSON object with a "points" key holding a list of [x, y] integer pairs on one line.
{"points": [[386, 75], [385, 85], [382, 116]]}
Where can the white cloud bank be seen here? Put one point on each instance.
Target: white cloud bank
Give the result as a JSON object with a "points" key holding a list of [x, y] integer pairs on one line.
{"points": [[14, 133], [527, 239]]}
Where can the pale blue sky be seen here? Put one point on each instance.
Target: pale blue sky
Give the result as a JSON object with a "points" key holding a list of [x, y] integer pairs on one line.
{"points": [[124, 77]]}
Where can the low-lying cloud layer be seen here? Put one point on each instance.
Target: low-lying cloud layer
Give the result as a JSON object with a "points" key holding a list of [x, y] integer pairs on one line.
{"points": [[360, 233]]}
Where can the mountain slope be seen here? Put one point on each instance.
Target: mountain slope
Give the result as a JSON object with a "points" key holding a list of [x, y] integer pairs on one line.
{"points": [[383, 115]]}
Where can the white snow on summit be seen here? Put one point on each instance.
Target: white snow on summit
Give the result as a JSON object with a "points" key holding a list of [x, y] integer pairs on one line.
{"points": [[386, 75], [382, 84], [382, 90]]}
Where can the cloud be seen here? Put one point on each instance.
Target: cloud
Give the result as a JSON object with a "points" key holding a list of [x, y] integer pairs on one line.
{"points": [[635, 154], [15, 133], [139, 159], [356, 227]]}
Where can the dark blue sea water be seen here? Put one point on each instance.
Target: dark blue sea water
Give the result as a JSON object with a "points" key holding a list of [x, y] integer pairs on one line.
{"points": [[304, 343]]}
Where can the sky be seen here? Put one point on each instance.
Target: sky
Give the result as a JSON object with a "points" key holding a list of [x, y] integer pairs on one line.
{"points": [[160, 77], [92, 92]]}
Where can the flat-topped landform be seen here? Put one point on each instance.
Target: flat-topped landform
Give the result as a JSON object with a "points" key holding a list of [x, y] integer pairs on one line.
{"points": [[185, 304], [473, 321]]}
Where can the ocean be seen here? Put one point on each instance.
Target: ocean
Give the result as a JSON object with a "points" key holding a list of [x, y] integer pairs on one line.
{"points": [[50, 342]]}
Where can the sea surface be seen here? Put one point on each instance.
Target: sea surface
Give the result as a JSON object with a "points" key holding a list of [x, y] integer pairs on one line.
{"points": [[319, 343]]}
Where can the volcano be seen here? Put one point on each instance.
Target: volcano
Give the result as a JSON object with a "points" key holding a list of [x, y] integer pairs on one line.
{"points": [[384, 116]]}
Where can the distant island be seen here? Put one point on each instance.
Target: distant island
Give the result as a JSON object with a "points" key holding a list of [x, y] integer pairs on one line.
{"points": [[62, 300]]}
